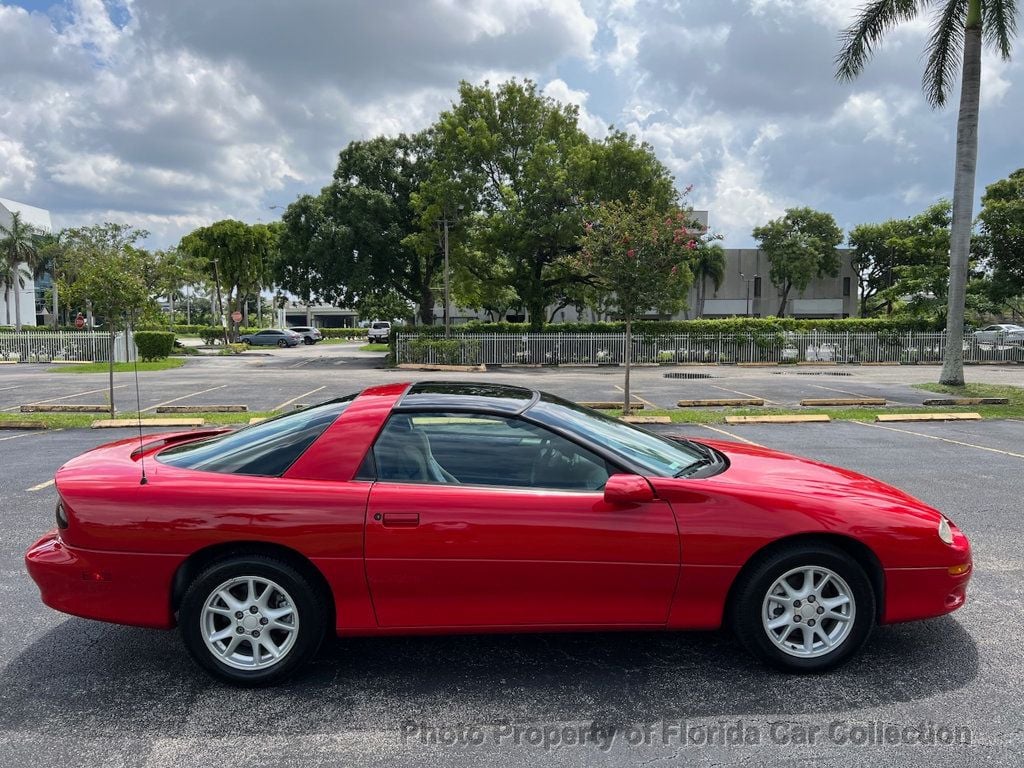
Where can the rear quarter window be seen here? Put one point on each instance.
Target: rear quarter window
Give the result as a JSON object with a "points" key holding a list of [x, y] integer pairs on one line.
{"points": [[267, 449]]}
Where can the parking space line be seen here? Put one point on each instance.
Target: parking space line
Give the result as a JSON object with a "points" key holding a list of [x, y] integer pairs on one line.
{"points": [[67, 397], [4, 389], [633, 395], [730, 434], [30, 434], [286, 403], [301, 363], [41, 486], [745, 394], [842, 391], [942, 439], [183, 397]]}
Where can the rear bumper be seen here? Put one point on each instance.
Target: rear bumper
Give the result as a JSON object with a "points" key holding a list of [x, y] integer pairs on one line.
{"points": [[120, 587]]}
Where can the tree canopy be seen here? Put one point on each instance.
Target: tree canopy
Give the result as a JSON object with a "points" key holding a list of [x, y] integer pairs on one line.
{"points": [[800, 246], [1001, 224]]}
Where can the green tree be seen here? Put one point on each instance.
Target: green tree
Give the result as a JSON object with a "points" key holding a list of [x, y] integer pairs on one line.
{"points": [[532, 175], [1001, 223], [240, 256], [919, 247], [17, 256], [709, 264], [641, 256], [351, 242], [800, 246], [958, 31], [109, 277]]}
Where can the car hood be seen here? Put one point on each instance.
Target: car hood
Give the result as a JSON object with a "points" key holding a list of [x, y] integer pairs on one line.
{"points": [[767, 473]]}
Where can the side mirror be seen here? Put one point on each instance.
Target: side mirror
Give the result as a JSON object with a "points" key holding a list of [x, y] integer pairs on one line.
{"points": [[628, 489]]}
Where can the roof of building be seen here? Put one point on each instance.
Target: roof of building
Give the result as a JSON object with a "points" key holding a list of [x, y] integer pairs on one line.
{"points": [[37, 217]]}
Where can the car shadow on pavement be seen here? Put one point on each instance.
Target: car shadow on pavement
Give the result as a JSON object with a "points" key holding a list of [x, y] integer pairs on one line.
{"points": [[115, 680]]}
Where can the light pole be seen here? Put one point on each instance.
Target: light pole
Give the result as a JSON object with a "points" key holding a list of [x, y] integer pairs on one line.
{"points": [[748, 281]]}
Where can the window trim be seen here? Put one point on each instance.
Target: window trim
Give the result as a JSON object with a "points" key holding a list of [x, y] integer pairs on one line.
{"points": [[612, 461]]}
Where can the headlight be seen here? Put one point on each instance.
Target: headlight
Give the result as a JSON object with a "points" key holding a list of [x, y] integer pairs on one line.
{"points": [[945, 532]]}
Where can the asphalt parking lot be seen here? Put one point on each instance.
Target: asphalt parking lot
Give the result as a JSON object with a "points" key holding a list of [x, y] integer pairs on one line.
{"points": [[276, 379], [81, 693]]}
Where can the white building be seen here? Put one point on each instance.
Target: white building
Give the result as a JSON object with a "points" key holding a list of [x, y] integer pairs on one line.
{"points": [[26, 296]]}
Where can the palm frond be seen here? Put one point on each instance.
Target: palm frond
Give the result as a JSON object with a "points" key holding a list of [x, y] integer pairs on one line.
{"points": [[1000, 24], [873, 21], [944, 48]]}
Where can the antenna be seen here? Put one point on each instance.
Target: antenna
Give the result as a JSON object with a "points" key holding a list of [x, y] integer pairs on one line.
{"points": [[138, 406]]}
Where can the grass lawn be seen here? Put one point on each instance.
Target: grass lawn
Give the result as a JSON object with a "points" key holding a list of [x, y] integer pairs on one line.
{"points": [[1013, 410], [84, 420], [155, 365], [375, 348]]}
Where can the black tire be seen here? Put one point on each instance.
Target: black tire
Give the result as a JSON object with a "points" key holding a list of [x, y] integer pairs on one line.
{"points": [[282, 343], [759, 577], [308, 604], [308, 341]]}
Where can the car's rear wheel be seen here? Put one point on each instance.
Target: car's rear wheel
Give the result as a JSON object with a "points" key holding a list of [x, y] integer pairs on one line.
{"points": [[806, 608], [307, 340], [282, 343], [252, 620]]}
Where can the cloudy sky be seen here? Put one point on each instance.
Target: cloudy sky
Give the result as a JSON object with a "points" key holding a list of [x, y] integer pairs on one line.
{"points": [[170, 114]]}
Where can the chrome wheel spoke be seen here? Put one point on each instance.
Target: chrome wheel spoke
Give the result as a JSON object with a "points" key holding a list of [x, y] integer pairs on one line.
{"points": [[251, 633], [802, 622]]}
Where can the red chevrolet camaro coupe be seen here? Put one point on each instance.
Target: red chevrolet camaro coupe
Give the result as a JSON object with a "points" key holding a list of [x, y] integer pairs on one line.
{"points": [[445, 507]]}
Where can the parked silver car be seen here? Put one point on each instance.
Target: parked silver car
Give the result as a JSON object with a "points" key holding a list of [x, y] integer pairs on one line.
{"points": [[309, 334], [1000, 333], [272, 337]]}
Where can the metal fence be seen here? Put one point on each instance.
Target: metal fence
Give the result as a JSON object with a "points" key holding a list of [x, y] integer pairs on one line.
{"points": [[51, 346], [609, 348]]}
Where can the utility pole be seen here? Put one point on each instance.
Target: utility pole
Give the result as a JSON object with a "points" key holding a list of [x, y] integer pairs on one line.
{"points": [[748, 281], [220, 302]]}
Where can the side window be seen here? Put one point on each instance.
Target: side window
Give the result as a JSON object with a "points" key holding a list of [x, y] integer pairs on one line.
{"points": [[479, 449]]}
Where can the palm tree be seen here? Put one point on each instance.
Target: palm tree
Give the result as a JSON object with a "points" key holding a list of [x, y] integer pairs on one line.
{"points": [[959, 29], [17, 249], [709, 264]]}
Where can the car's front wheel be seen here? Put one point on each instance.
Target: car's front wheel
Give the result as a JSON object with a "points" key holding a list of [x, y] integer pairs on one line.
{"points": [[807, 608], [252, 620]]}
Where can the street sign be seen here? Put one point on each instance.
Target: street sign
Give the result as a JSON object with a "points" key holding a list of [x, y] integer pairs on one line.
{"points": [[79, 321], [236, 316]]}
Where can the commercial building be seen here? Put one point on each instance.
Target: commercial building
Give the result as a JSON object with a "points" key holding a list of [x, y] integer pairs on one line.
{"points": [[24, 295]]}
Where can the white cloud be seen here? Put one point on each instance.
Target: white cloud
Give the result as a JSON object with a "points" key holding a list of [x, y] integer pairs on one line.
{"points": [[17, 169], [559, 90]]}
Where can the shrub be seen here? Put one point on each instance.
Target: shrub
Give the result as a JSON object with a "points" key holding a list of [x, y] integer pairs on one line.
{"points": [[233, 349], [444, 351], [211, 334], [343, 333], [737, 326], [154, 345]]}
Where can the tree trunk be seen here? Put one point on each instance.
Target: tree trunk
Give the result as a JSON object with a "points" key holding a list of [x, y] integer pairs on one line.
{"points": [[785, 300], [628, 355], [7, 302], [963, 198], [426, 308], [17, 300], [702, 292]]}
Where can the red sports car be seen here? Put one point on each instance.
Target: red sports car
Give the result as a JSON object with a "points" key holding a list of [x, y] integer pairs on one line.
{"points": [[441, 507]]}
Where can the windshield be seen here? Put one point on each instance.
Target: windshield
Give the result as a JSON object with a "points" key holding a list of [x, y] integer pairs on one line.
{"points": [[382, 325], [655, 454], [265, 449]]}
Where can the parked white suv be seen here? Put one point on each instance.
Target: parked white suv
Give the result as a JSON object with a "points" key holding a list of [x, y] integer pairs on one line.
{"points": [[309, 334], [380, 331]]}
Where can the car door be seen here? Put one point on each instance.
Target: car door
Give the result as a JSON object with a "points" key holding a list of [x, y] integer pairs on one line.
{"points": [[478, 520], [988, 335]]}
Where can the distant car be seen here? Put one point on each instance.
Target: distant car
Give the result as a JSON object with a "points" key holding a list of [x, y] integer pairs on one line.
{"points": [[380, 331], [309, 335], [1001, 333], [272, 337]]}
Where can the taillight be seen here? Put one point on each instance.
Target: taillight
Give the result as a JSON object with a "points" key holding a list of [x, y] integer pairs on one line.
{"points": [[62, 516]]}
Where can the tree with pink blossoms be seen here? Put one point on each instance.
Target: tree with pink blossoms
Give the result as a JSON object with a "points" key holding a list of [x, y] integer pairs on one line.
{"points": [[640, 256]]}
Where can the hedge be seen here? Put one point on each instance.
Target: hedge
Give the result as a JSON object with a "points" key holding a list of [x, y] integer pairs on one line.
{"points": [[739, 325], [154, 345]]}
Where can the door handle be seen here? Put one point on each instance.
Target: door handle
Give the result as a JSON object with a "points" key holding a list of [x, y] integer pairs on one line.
{"points": [[402, 519]]}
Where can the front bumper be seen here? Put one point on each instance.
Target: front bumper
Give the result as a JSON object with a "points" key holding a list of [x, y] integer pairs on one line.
{"points": [[120, 587]]}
